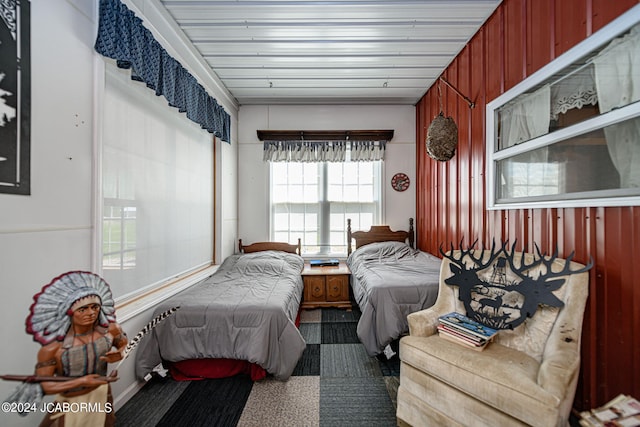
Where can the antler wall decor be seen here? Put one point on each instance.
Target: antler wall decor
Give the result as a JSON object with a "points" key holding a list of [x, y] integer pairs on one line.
{"points": [[506, 304]]}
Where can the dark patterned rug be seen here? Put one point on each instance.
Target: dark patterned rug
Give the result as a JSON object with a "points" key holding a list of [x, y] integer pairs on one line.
{"points": [[334, 384]]}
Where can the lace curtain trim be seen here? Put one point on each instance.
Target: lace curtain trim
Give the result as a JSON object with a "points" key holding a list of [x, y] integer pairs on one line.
{"points": [[121, 36], [575, 100]]}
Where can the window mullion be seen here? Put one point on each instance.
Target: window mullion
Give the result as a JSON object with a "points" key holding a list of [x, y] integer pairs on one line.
{"points": [[325, 208]]}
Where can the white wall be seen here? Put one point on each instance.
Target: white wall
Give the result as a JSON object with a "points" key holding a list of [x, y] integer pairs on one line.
{"points": [[52, 231], [253, 173]]}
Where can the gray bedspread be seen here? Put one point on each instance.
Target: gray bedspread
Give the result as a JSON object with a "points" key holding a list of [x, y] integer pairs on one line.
{"points": [[390, 280], [246, 310]]}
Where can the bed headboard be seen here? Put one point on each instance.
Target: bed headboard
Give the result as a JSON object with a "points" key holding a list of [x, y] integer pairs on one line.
{"points": [[270, 246], [379, 233]]}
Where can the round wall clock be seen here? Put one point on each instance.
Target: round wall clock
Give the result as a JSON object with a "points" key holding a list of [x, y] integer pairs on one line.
{"points": [[400, 182]]}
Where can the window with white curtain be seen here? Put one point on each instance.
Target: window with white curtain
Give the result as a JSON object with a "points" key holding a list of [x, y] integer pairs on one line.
{"points": [[569, 135], [312, 201], [157, 189]]}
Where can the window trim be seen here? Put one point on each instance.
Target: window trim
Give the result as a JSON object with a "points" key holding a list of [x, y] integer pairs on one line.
{"points": [[597, 40]]}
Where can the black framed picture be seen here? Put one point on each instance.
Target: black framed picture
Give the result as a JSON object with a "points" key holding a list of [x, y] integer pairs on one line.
{"points": [[15, 97]]}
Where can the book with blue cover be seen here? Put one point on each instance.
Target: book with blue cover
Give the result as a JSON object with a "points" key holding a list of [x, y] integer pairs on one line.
{"points": [[463, 324], [324, 262]]}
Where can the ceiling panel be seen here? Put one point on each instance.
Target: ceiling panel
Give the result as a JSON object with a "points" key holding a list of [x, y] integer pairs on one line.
{"points": [[332, 51]]}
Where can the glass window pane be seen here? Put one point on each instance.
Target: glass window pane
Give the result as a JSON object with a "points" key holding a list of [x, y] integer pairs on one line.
{"points": [[280, 236], [310, 173], [365, 174], [338, 239], [350, 174], [310, 193], [605, 159], [338, 221], [311, 221], [281, 221], [335, 192], [297, 222]]}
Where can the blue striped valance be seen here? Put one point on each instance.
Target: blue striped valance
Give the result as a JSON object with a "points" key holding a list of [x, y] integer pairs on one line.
{"points": [[323, 151], [121, 36]]}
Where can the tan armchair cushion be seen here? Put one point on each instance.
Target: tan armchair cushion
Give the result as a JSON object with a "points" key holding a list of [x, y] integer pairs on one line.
{"points": [[499, 376]]}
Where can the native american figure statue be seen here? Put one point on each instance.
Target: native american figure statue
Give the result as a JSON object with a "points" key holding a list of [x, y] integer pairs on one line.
{"points": [[73, 317]]}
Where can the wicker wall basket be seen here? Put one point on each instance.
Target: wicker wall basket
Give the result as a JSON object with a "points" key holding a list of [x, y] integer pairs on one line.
{"points": [[442, 138]]}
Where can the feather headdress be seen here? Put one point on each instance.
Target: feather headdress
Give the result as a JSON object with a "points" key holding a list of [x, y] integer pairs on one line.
{"points": [[49, 319], [144, 331]]}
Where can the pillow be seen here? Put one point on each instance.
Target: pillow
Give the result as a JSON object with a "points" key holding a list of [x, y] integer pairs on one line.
{"points": [[380, 251]]}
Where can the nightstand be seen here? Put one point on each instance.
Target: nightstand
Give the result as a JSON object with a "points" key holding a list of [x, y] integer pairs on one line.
{"points": [[326, 286]]}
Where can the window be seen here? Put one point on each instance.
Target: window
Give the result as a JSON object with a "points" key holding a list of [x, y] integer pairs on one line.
{"points": [[569, 135], [118, 236], [312, 201], [156, 189]]}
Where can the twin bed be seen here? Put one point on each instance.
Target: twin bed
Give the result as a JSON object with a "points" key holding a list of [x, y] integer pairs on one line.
{"points": [[243, 318], [390, 279]]}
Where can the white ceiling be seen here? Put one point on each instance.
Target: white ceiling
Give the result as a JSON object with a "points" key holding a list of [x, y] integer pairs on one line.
{"points": [[331, 51]]}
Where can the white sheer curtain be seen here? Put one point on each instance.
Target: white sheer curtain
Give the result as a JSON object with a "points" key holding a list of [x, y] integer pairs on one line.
{"points": [[526, 119], [617, 74]]}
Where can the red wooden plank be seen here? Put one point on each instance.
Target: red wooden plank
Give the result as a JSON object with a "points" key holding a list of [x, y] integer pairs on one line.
{"points": [[625, 335], [539, 35], [451, 166], [614, 320], [478, 142], [515, 47], [494, 81], [634, 300], [570, 24], [605, 11], [464, 146]]}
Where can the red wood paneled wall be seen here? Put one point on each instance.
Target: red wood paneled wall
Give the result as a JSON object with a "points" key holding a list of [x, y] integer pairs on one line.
{"points": [[519, 38]]}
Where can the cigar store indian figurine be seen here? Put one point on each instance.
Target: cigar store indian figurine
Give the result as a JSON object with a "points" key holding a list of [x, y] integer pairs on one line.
{"points": [[73, 317]]}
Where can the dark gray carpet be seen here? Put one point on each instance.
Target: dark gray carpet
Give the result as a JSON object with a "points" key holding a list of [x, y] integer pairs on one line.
{"points": [[216, 402], [354, 401], [349, 388]]}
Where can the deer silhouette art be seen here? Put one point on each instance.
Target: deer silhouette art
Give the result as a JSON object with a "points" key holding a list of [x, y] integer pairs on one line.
{"points": [[466, 266]]}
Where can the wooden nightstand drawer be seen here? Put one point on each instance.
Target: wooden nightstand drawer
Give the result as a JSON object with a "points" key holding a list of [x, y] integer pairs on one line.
{"points": [[326, 286], [337, 288], [314, 288]]}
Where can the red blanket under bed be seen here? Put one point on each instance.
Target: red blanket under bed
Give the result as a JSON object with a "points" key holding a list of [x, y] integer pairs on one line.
{"points": [[199, 369]]}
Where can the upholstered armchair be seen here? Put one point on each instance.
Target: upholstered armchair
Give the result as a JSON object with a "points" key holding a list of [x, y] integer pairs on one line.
{"points": [[528, 374]]}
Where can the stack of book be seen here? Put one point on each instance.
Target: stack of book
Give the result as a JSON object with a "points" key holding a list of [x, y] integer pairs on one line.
{"points": [[622, 411], [462, 330]]}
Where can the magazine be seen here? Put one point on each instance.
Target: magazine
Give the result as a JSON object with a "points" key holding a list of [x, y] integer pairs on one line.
{"points": [[465, 325], [622, 411]]}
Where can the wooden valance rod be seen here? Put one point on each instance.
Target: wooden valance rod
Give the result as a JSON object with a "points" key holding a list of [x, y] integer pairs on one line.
{"points": [[325, 135], [470, 102]]}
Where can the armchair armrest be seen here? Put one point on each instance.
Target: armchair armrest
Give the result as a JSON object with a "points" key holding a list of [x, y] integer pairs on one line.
{"points": [[560, 364], [425, 322], [558, 373]]}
